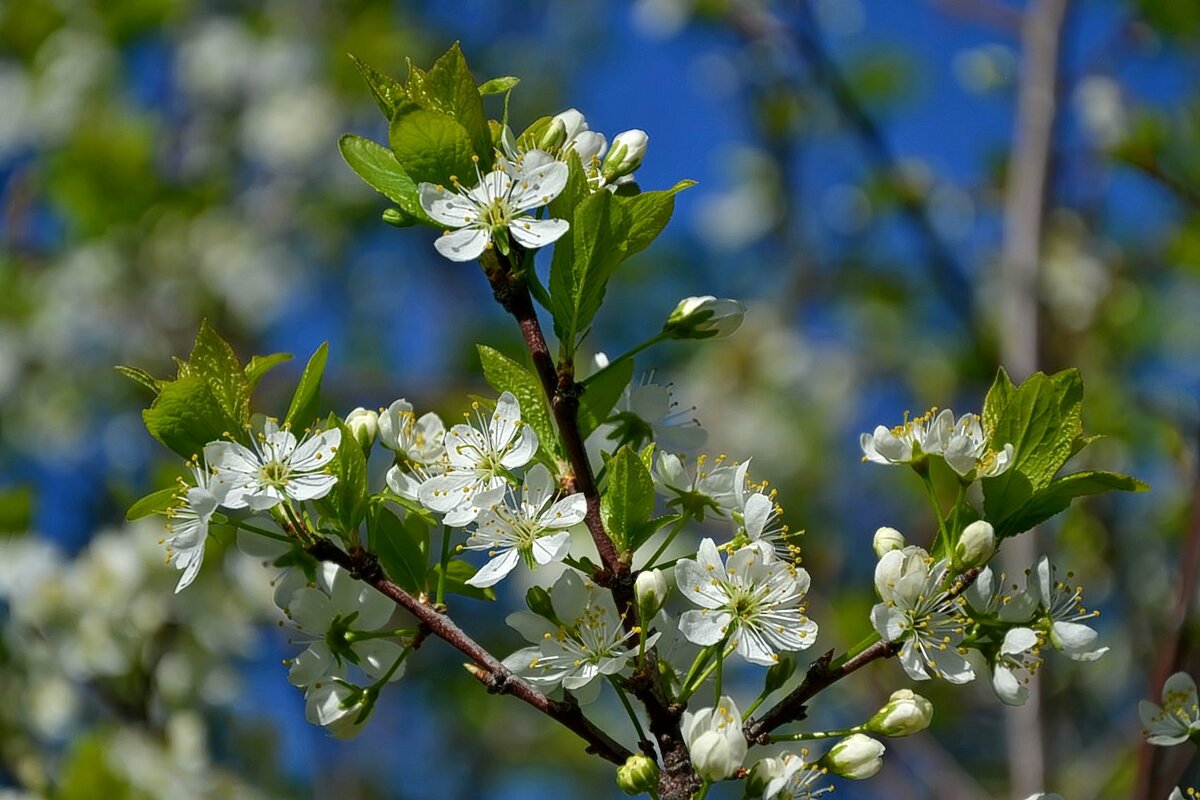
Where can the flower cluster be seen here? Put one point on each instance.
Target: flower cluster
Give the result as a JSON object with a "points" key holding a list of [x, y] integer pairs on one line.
{"points": [[963, 443]]}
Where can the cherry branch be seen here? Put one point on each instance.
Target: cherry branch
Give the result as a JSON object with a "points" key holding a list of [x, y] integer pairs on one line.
{"points": [[498, 679]]}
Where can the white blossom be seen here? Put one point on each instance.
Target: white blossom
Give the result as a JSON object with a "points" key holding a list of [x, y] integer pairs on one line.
{"points": [[188, 520], [887, 539], [714, 739], [332, 617], [789, 777], [906, 443], [497, 206], [966, 450], [918, 611], [479, 460], [590, 642], [419, 445], [1015, 664], [279, 467], [1063, 613], [705, 317], [526, 529], [754, 601], [651, 412], [336, 706], [701, 490], [1178, 718]]}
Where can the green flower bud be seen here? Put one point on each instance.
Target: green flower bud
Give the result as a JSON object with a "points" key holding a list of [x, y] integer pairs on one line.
{"points": [[364, 424], [887, 540], [906, 713], [538, 600], [705, 317], [856, 757], [651, 590], [779, 672], [976, 545], [638, 775], [625, 155]]}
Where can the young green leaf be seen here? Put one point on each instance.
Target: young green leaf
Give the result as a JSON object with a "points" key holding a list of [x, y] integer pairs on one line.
{"points": [[402, 547], [499, 85], [505, 375], [452, 89], [303, 408], [186, 416], [388, 92], [998, 398], [1057, 497], [380, 170], [261, 365], [604, 389], [457, 574], [213, 359], [346, 503], [138, 375], [628, 500], [647, 214], [153, 503], [431, 147]]}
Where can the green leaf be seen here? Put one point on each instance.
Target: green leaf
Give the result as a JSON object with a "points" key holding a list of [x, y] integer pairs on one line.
{"points": [[1042, 420], [457, 574], [186, 416], [452, 89], [402, 547], [628, 500], [648, 214], [603, 391], [152, 503], [346, 503], [583, 262], [997, 400], [87, 771], [213, 359], [1057, 497], [388, 92], [431, 147], [380, 170], [261, 365], [505, 375], [499, 85], [303, 408], [139, 375]]}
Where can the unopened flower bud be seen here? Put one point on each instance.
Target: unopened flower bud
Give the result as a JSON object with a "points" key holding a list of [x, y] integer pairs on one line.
{"points": [[562, 129], [906, 713], [887, 540], [364, 424], [705, 317], [625, 155], [715, 741], [779, 672], [976, 545], [856, 757], [650, 589], [538, 600], [638, 775]]}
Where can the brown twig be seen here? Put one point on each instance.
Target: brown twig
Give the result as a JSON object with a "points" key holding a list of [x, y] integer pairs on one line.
{"points": [[1148, 165], [487, 669]]}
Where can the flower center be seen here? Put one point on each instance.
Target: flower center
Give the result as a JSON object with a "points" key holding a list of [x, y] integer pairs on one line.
{"points": [[275, 473]]}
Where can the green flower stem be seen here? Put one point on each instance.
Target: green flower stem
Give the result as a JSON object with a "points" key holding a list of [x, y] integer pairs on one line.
{"points": [[279, 537], [722, 652], [942, 536], [955, 528], [813, 735], [720, 676], [445, 562], [662, 548], [662, 336], [637, 725], [758, 701], [701, 659], [703, 793], [362, 636]]}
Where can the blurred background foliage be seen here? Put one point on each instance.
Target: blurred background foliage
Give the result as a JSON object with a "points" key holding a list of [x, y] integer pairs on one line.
{"points": [[162, 161]]}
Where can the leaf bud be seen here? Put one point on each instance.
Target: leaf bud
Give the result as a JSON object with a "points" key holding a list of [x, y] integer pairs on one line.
{"points": [[976, 545], [651, 590], [625, 155], [887, 540], [904, 714], [856, 757], [705, 317], [638, 775], [364, 424]]}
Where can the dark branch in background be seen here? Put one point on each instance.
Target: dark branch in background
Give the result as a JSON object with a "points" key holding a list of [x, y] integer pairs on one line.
{"points": [[363, 566], [1148, 165], [1025, 201], [1167, 661], [989, 13], [949, 279]]}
